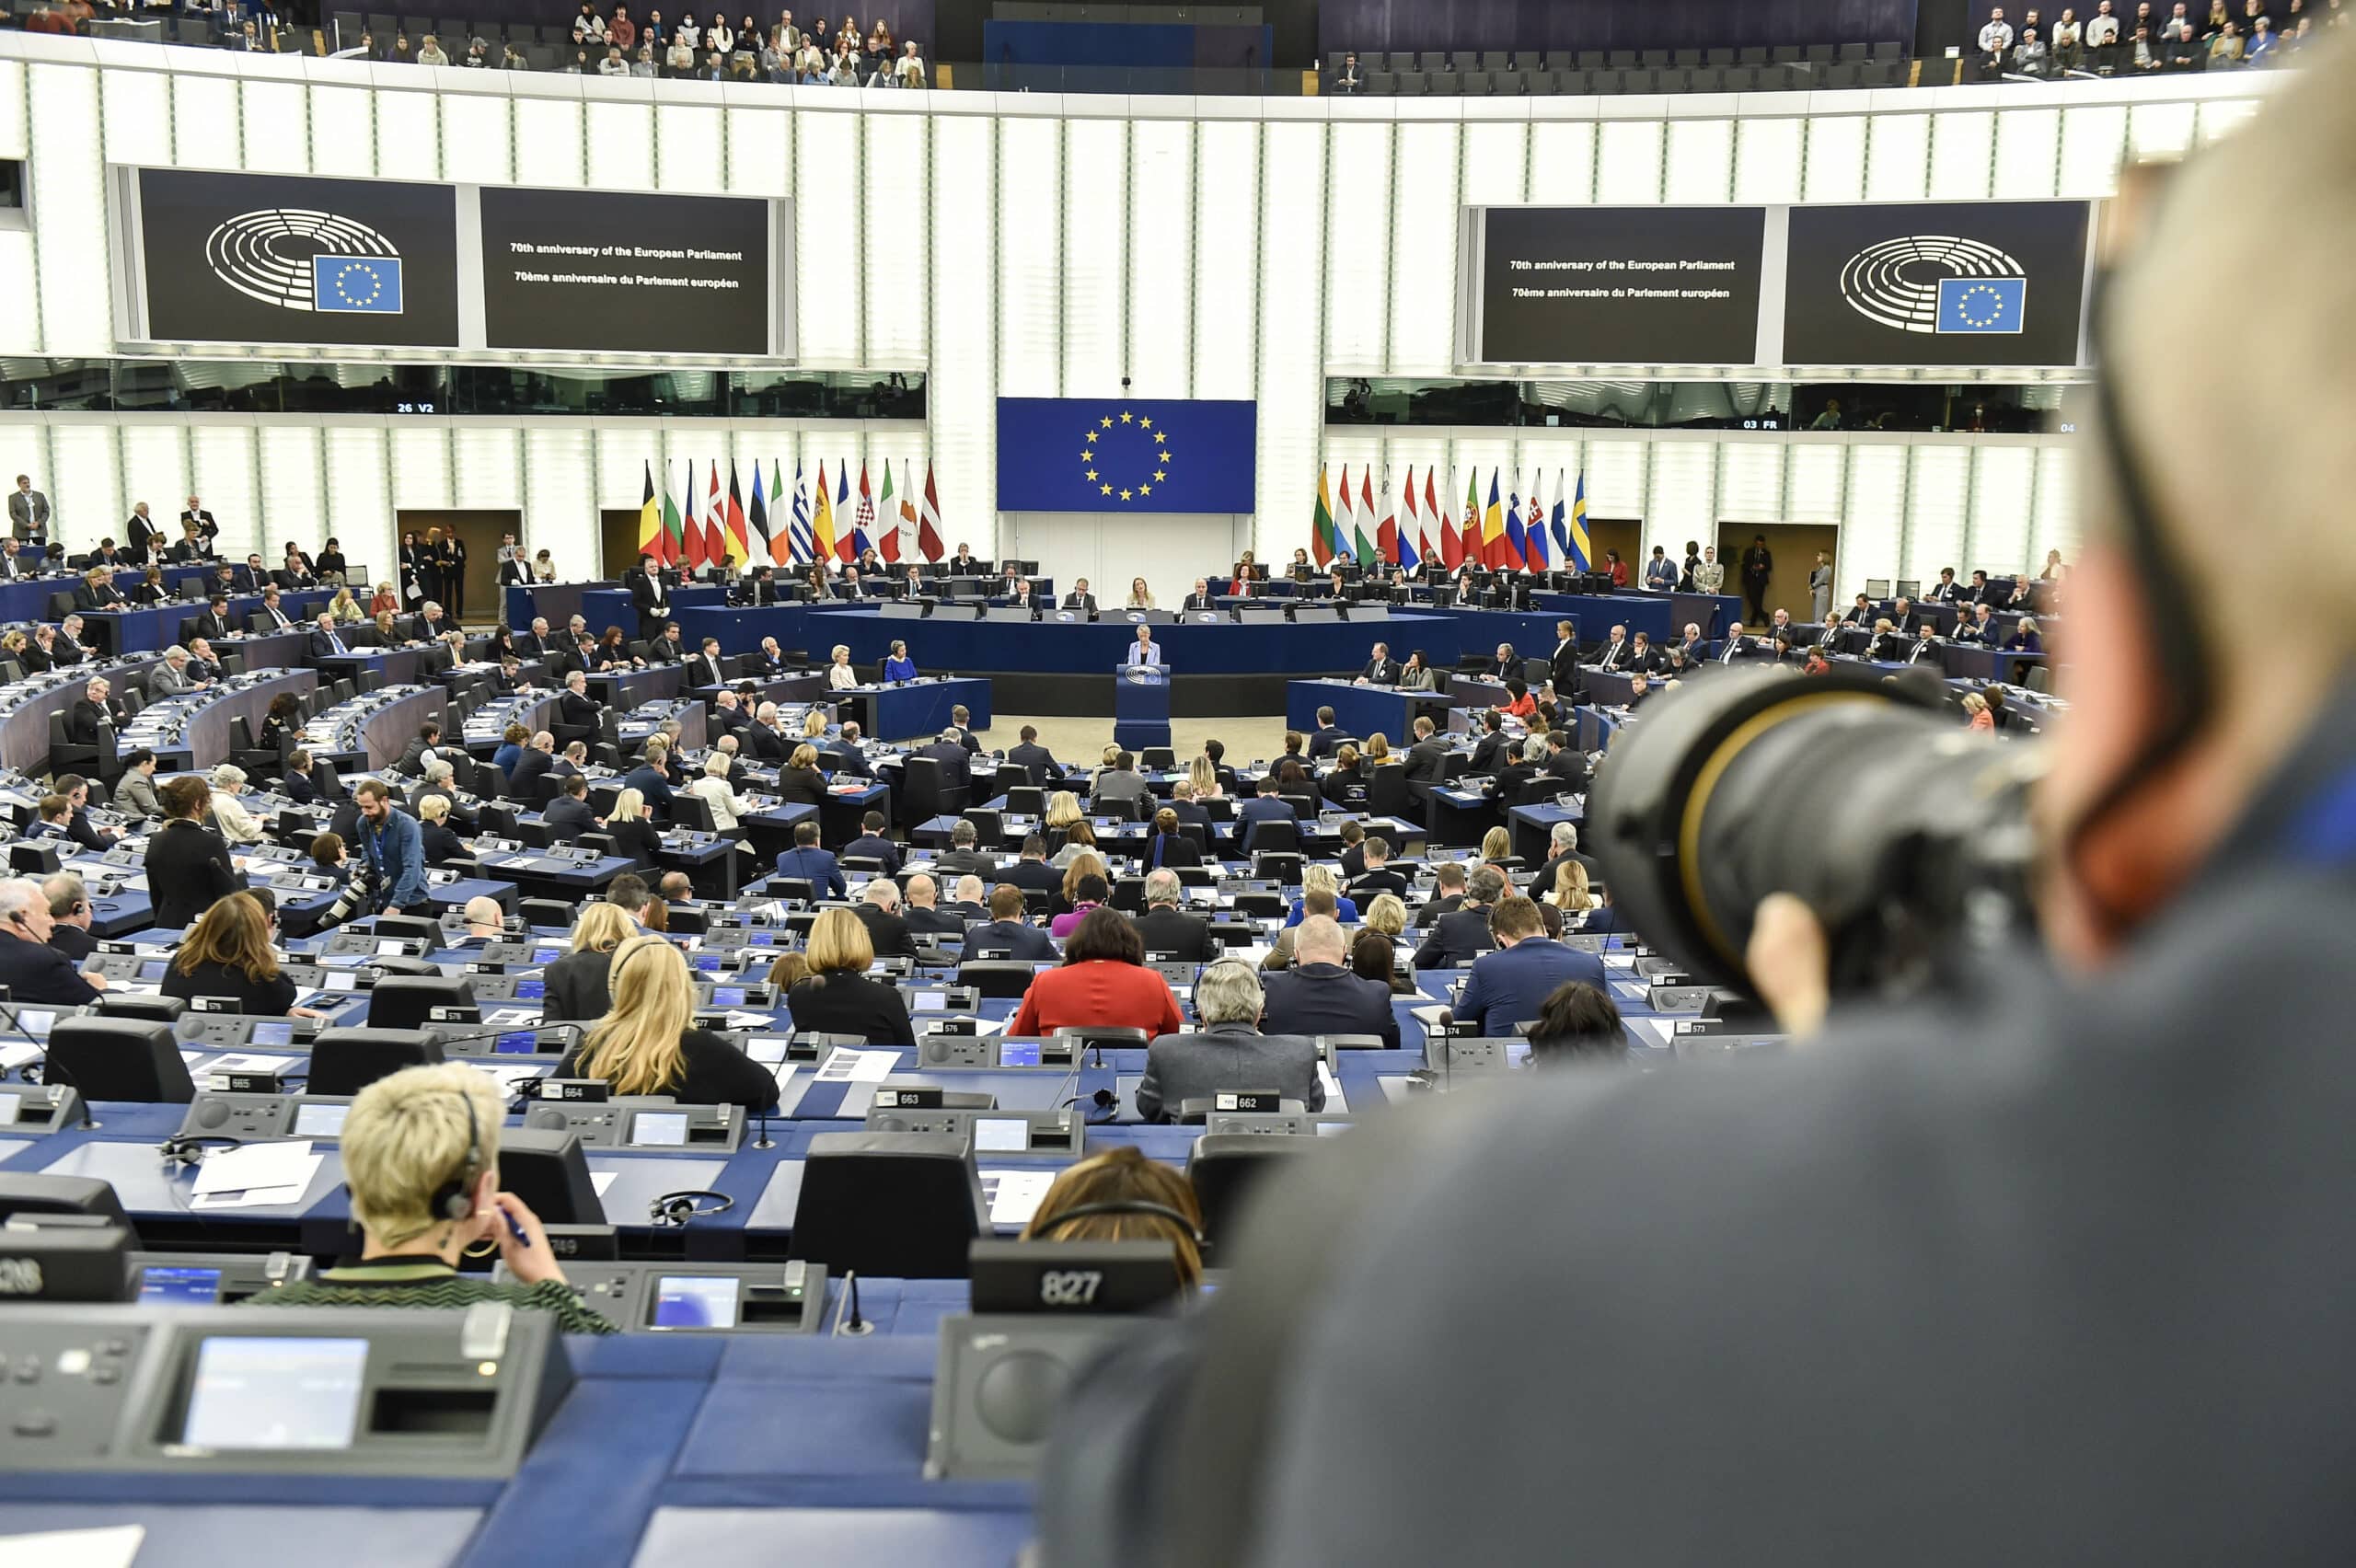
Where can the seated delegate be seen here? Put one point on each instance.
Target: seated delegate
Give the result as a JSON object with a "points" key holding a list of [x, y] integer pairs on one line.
{"points": [[1230, 1053], [645, 1044], [227, 955]]}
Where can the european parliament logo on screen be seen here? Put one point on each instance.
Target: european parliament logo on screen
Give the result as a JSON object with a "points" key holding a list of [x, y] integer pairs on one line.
{"points": [[300, 259], [1936, 282]]}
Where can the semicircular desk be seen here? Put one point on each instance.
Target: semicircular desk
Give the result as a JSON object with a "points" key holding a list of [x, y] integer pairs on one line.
{"points": [[1065, 667]]}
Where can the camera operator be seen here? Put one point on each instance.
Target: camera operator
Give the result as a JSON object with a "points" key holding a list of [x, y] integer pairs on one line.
{"points": [[2052, 1268]]}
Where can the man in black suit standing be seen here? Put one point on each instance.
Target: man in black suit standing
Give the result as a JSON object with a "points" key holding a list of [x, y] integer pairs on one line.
{"points": [[1166, 927], [194, 517], [1319, 995], [1382, 669], [649, 592], [1427, 758], [1463, 936], [1035, 758], [1758, 568]]}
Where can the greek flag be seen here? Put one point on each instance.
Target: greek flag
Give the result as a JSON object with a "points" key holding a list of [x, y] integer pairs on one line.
{"points": [[804, 543]]}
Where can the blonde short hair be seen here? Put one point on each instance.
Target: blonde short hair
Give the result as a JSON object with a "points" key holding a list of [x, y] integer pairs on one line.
{"points": [[838, 940], [1315, 878], [1387, 916], [602, 927], [434, 808], [406, 1137]]}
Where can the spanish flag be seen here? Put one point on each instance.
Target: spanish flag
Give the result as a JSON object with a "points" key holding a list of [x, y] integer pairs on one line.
{"points": [[821, 527]]}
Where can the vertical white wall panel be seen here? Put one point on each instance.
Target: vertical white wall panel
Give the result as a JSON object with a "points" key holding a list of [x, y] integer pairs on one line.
{"points": [[1628, 162], [478, 139], [485, 468], [1499, 163], [621, 146], [83, 480], [136, 115], [1962, 154], [1751, 480], [2028, 145], [1292, 381], [1682, 504], [898, 194], [1358, 257], [277, 127], [1815, 481], [420, 458], [760, 151], [206, 129], [1227, 253], [13, 138], [222, 460], [69, 211], [408, 137], [690, 155], [2094, 139], [359, 498], [1700, 160], [2160, 130], [1836, 159], [1939, 486], [20, 326], [293, 502], [548, 143], [2056, 526], [962, 385], [1871, 530], [155, 470], [1562, 162], [1096, 256], [559, 493], [827, 225], [1160, 300], [2004, 496], [342, 133], [1615, 477], [1423, 262], [1030, 256], [1768, 159], [1897, 163]]}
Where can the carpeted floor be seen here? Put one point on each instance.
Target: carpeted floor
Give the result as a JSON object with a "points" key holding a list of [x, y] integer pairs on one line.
{"points": [[1079, 739]]}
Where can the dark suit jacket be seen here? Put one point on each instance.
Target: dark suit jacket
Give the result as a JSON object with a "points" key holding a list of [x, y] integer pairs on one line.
{"points": [[1032, 876], [1018, 939], [568, 819], [1325, 998], [1507, 987], [1489, 753], [703, 672], [1179, 1067], [82, 723], [1456, 937], [1427, 762], [934, 922], [1327, 740], [577, 988], [528, 768], [889, 933], [321, 645], [867, 846], [1038, 760], [1373, 883], [1186, 937]]}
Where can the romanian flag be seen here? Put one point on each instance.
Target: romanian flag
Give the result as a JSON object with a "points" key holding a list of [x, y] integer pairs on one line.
{"points": [[693, 549], [1472, 518], [929, 520], [738, 543], [821, 527], [1533, 536], [1493, 528], [1407, 555], [649, 519], [1321, 539]]}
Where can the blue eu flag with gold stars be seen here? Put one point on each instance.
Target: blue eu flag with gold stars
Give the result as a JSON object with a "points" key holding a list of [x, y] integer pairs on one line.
{"points": [[1126, 455], [357, 285], [1981, 305]]}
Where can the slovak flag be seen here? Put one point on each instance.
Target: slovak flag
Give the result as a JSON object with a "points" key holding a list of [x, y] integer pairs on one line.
{"points": [[1533, 535]]}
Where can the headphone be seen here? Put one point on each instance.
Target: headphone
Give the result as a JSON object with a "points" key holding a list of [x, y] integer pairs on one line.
{"points": [[676, 1210], [1123, 1205], [188, 1150], [455, 1199]]}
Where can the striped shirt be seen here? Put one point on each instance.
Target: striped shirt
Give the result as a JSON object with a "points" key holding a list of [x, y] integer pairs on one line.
{"points": [[431, 1283]]}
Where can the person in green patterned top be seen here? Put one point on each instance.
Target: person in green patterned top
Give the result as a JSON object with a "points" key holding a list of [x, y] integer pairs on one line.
{"points": [[421, 1158]]}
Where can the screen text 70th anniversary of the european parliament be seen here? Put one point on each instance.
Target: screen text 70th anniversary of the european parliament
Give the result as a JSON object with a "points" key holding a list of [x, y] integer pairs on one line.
{"points": [[1621, 285], [618, 271]]}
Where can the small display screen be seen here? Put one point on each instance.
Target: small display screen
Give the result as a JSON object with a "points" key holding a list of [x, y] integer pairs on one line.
{"points": [[728, 996], [931, 1001], [658, 1129], [252, 1392], [531, 990], [691, 1301], [390, 947], [161, 1286], [515, 1042], [273, 1031], [1001, 1134], [153, 969], [1019, 1054], [708, 962], [547, 954], [37, 1020], [767, 1048], [320, 1121], [341, 980], [9, 1105], [1328, 1129]]}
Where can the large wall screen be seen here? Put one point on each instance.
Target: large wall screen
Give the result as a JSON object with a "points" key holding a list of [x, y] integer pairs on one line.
{"points": [[1652, 285], [254, 259]]}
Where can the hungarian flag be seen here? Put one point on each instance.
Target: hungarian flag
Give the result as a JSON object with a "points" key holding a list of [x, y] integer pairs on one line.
{"points": [[1446, 534], [1320, 536], [1367, 556], [693, 547], [1403, 549], [738, 545], [929, 520], [757, 522], [1533, 535], [889, 519], [822, 527], [649, 519], [674, 545], [845, 547], [1472, 518]]}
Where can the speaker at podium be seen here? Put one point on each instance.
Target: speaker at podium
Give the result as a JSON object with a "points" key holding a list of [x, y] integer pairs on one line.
{"points": [[1141, 705]]}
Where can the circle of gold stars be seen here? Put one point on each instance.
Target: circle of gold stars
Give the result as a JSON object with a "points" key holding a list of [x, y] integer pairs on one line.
{"points": [[1995, 306], [1096, 452], [344, 284]]}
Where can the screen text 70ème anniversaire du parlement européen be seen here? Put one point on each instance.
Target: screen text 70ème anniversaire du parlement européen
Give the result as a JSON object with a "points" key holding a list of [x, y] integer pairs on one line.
{"points": [[1619, 291], [621, 259]]}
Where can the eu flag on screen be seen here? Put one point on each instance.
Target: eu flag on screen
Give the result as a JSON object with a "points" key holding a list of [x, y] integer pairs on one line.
{"points": [[1125, 455], [357, 285], [1982, 305]]}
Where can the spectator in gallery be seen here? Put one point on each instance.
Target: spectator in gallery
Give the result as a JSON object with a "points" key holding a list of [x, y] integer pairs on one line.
{"points": [[429, 51], [1995, 39], [1349, 79], [908, 70], [2029, 56], [588, 28], [720, 38], [621, 31], [680, 58], [613, 64], [2069, 42], [513, 60]]}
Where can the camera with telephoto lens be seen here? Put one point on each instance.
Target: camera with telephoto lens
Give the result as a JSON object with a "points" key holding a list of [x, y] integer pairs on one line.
{"points": [[1908, 836]]}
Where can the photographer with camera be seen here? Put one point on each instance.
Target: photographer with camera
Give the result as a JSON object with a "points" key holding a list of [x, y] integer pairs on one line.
{"points": [[2038, 1249]]}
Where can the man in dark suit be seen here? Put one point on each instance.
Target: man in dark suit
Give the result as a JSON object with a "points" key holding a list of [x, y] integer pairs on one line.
{"points": [[1460, 936], [1449, 897], [1079, 598], [649, 592], [652, 779], [878, 910], [1509, 985], [569, 816], [1980, 593], [534, 643], [667, 649], [252, 577], [91, 710], [728, 715], [703, 666], [1030, 872], [769, 663], [814, 865], [1378, 878], [1006, 934], [538, 756], [1644, 659], [760, 738], [872, 845], [1382, 669], [1945, 591], [97, 592], [1263, 807], [923, 916], [1505, 665], [323, 642], [1320, 994], [575, 710], [1200, 599], [1167, 927], [1613, 654], [1035, 758], [964, 857], [214, 620], [1230, 1053], [1489, 753], [1566, 761], [956, 764], [1427, 758], [1562, 844], [1327, 738], [1188, 810], [194, 516]]}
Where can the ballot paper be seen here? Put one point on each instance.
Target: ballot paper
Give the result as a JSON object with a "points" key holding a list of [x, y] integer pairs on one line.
{"points": [[245, 1062], [1015, 1195], [849, 1065], [114, 1546], [740, 1019], [502, 1017], [1663, 1030], [1334, 1099], [259, 1175]]}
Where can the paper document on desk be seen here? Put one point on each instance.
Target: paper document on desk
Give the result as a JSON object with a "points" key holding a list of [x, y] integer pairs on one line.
{"points": [[1334, 1099], [783, 1072], [1015, 1195], [266, 1175], [115, 1546], [16, 1053], [741, 1019], [601, 1179], [849, 1065], [1635, 991], [1663, 1030], [244, 1062]]}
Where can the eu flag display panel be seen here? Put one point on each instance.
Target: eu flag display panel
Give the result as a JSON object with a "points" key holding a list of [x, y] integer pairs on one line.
{"points": [[1125, 455]]}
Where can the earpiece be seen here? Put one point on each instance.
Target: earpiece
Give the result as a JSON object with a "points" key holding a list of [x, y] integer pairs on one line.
{"points": [[187, 1150], [455, 1199], [1125, 1205], [674, 1210]]}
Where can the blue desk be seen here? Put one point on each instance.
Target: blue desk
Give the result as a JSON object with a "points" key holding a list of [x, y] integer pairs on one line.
{"points": [[155, 626], [1970, 661], [1532, 827], [1362, 710], [602, 607], [918, 708]]}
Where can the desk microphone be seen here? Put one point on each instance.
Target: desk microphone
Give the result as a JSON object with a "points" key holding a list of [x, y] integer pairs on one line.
{"points": [[855, 1324]]}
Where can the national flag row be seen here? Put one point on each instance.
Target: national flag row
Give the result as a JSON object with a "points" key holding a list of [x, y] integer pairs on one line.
{"points": [[823, 526], [1512, 534]]}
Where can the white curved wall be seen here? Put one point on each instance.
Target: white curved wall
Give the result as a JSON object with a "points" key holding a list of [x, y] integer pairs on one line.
{"points": [[1033, 245]]}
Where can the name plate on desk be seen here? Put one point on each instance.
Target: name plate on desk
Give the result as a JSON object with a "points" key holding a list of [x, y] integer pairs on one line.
{"points": [[1248, 1102], [925, 1098], [581, 1091]]}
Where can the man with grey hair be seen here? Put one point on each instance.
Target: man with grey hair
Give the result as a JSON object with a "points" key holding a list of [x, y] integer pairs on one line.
{"points": [[1561, 844], [1378, 878], [31, 969], [437, 777], [1461, 936], [924, 917], [963, 855], [878, 910], [1170, 933], [967, 899], [172, 678], [1321, 995], [1230, 1053], [69, 915]]}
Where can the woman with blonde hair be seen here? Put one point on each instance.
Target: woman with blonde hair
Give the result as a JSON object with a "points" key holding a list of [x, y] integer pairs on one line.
{"points": [[814, 724], [798, 783], [232, 821], [1317, 878], [1570, 892], [633, 833], [1982, 718], [435, 836], [1121, 1176], [228, 954], [727, 805], [575, 984], [1377, 747], [1496, 848], [1084, 864], [644, 1044], [840, 676], [387, 634], [838, 997], [344, 608], [1140, 597], [1203, 774], [1387, 916]]}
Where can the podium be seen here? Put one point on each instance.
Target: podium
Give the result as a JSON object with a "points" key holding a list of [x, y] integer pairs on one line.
{"points": [[1140, 707]]}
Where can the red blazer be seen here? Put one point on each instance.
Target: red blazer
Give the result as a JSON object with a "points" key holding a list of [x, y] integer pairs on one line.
{"points": [[1102, 993]]}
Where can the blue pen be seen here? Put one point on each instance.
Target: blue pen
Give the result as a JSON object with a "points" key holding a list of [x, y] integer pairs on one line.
{"points": [[515, 1229]]}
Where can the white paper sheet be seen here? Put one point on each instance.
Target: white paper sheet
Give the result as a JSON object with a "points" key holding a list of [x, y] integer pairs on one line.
{"points": [[783, 1072], [113, 1547], [849, 1065], [601, 1179], [1334, 1099], [1015, 1195], [245, 1062], [253, 1165], [15, 1054]]}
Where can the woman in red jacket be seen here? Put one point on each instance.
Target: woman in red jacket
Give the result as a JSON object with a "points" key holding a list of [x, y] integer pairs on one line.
{"points": [[1101, 984]]}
